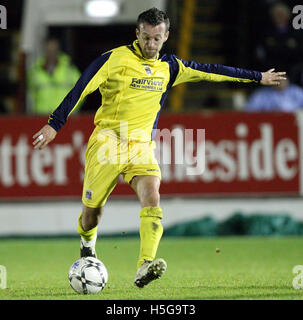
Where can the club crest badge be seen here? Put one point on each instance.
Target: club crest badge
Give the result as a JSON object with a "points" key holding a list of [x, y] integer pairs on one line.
{"points": [[148, 70], [88, 194]]}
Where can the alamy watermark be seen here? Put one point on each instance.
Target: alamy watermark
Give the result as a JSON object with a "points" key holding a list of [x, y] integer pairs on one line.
{"points": [[297, 21], [297, 282], [3, 17], [124, 146], [3, 278]]}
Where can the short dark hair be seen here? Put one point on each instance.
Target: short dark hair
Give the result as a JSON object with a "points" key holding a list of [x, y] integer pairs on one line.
{"points": [[153, 17]]}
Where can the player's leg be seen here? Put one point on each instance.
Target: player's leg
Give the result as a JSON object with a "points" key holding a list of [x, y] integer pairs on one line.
{"points": [[87, 228], [147, 190], [143, 174], [90, 217], [100, 179], [151, 230], [95, 194]]}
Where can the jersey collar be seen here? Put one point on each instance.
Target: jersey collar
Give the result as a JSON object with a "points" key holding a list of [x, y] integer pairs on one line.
{"points": [[136, 48]]}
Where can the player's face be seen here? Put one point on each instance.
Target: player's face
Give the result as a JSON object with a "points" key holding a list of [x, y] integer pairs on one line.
{"points": [[151, 39]]}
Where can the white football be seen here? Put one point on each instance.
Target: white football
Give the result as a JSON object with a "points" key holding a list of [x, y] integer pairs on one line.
{"points": [[88, 275]]}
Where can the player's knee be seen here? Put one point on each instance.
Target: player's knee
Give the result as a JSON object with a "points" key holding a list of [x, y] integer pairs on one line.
{"points": [[151, 198], [147, 189]]}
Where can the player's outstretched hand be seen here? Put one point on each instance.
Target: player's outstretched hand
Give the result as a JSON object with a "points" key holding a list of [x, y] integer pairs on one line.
{"points": [[44, 136], [271, 78]]}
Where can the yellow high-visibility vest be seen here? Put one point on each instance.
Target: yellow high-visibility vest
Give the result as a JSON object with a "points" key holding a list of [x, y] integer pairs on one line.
{"points": [[47, 90]]}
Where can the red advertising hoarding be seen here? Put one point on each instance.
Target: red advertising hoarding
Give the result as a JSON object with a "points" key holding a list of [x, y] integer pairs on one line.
{"points": [[242, 154]]}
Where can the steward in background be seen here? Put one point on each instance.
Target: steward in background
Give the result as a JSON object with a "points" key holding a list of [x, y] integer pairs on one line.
{"points": [[50, 78]]}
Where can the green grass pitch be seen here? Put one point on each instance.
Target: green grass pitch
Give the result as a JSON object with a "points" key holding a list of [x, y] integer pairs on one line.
{"points": [[245, 268]]}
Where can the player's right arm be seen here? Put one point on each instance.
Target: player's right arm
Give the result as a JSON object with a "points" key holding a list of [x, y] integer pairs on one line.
{"points": [[93, 76]]}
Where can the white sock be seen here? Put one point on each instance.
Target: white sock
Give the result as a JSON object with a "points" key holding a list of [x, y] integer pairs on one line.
{"points": [[90, 243]]}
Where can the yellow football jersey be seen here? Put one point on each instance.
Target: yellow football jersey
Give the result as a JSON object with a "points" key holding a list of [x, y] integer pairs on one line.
{"points": [[134, 89]]}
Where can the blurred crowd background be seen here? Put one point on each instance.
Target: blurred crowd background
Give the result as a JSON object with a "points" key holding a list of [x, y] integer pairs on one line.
{"points": [[256, 35]]}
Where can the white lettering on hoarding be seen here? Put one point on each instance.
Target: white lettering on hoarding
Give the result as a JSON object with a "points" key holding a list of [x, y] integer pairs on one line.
{"points": [[239, 159], [22, 165], [225, 160], [261, 153], [286, 151], [61, 154], [22, 151], [242, 152], [40, 161]]}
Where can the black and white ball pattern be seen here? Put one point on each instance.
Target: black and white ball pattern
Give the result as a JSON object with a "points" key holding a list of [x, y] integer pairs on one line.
{"points": [[88, 276]]}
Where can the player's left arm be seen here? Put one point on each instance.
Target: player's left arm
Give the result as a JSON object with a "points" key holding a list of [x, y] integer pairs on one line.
{"points": [[191, 71]]}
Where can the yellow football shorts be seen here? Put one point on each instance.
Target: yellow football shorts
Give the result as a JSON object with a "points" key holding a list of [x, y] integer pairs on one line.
{"points": [[106, 158]]}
